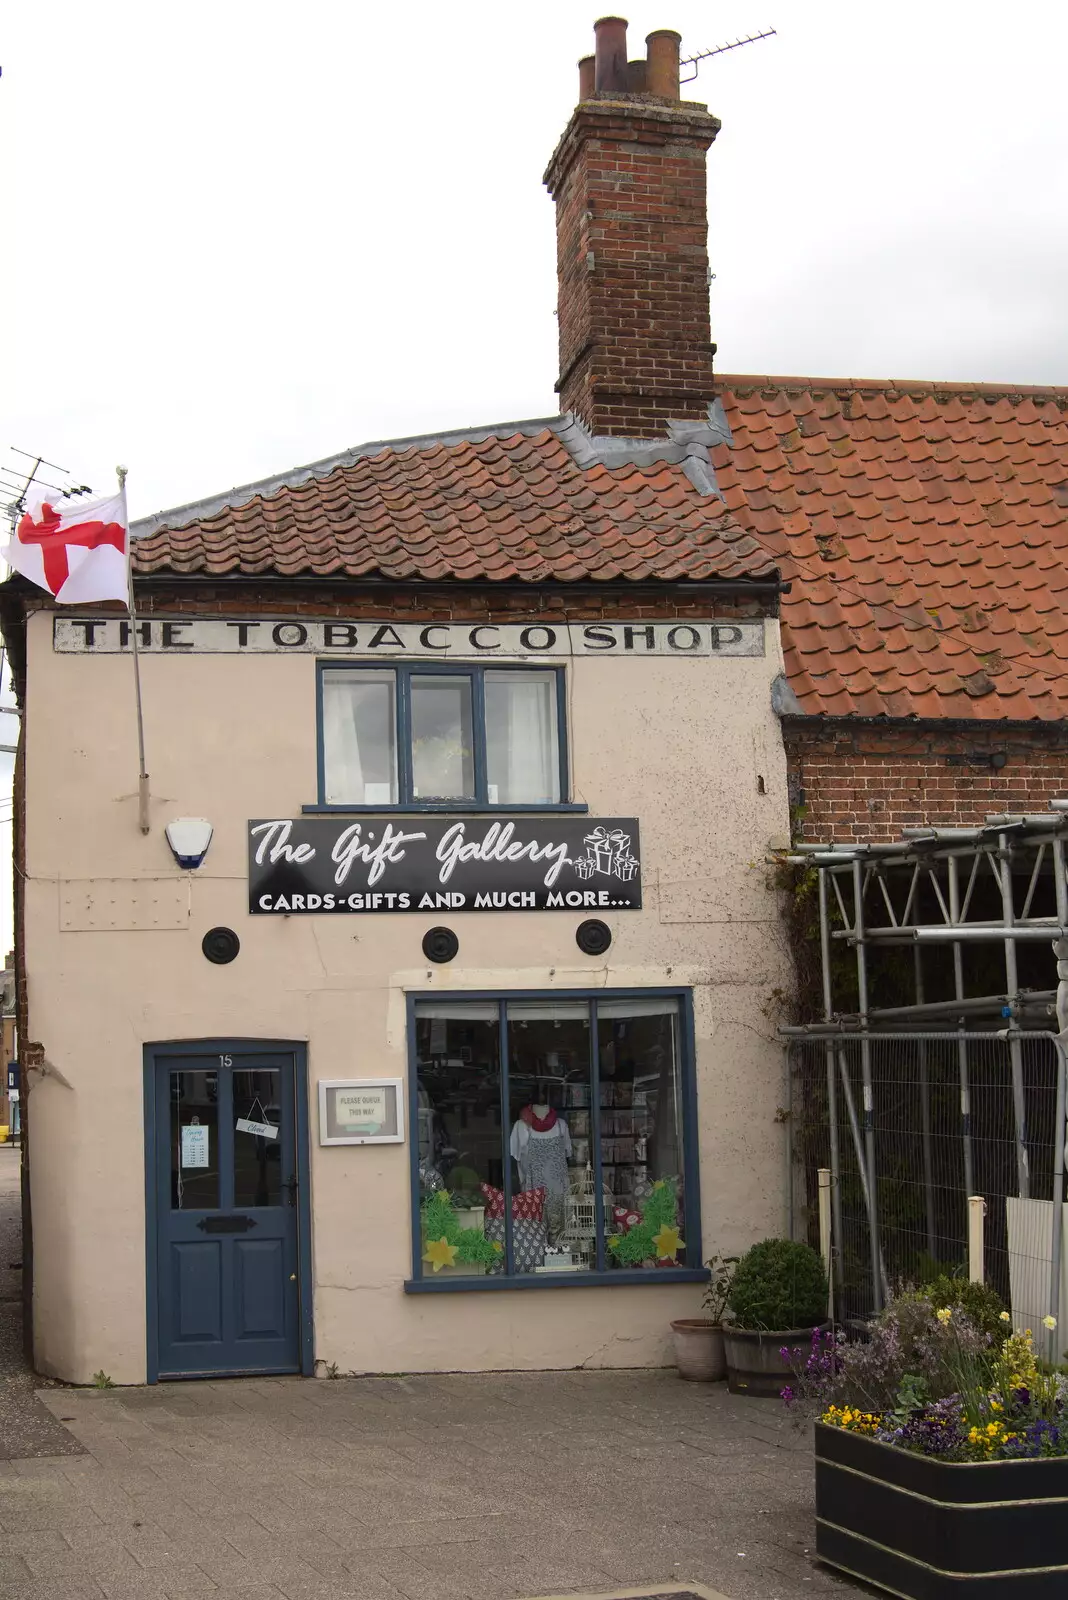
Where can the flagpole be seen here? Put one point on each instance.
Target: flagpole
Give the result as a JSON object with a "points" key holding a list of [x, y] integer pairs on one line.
{"points": [[142, 775]]}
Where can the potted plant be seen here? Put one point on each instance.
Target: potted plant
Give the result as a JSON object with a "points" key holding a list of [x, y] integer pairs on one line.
{"points": [[941, 1456], [449, 1247], [698, 1341], [778, 1295]]}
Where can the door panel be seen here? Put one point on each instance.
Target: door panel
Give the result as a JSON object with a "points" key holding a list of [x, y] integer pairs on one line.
{"points": [[260, 1297], [196, 1274], [227, 1214]]}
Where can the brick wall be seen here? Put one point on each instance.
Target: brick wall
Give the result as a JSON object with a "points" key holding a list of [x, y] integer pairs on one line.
{"points": [[632, 259], [868, 780]]}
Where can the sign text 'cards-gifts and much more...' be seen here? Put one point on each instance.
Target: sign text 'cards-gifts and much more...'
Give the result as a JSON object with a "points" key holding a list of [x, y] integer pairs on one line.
{"points": [[334, 865]]}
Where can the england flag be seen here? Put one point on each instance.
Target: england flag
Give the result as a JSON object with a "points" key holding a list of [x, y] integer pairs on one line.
{"points": [[76, 549]]}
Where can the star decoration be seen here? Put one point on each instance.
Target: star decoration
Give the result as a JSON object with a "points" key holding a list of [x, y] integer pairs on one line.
{"points": [[439, 1253], [667, 1243]]}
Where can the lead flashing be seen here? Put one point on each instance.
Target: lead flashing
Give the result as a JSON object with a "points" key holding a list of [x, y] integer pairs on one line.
{"points": [[687, 445]]}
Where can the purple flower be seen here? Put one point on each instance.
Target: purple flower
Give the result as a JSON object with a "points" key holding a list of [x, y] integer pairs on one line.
{"points": [[787, 1395]]}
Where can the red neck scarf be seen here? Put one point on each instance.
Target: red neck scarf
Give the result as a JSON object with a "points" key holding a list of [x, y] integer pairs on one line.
{"points": [[539, 1124]]}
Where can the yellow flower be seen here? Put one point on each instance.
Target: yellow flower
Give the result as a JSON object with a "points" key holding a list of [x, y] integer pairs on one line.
{"points": [[1049, 1322], [944, 1315], [667, 1243], [1004, 1317], [439, 1253]]}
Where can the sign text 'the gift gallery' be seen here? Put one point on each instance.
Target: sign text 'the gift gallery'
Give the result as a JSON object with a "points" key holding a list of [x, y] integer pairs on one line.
{"points": [[431, 641], [381, 864]]}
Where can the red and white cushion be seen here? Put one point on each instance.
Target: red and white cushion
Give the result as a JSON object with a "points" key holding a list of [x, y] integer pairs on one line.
{"points": [[527, 1206]]}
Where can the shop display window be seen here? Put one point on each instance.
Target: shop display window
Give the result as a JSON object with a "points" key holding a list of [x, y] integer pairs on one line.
{"points": [[445, 737], [549, 1136]]}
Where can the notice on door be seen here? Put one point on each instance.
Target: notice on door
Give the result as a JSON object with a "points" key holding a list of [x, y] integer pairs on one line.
{"points": [[262, 1130], [195, 1145]]}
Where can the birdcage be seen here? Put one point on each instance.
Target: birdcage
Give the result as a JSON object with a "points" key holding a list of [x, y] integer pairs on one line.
{"points": [[580, 1224]]}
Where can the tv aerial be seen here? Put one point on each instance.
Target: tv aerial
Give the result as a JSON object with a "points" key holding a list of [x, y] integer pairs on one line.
{"points": [[15, 480], [694, 61]]}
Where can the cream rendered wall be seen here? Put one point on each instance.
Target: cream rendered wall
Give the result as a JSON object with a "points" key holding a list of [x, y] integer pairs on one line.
{"points": [[677, 743]]}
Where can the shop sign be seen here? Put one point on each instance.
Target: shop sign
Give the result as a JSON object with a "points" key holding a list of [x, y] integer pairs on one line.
{"points": [[431, 864], [361, 1111], [407, 641]]}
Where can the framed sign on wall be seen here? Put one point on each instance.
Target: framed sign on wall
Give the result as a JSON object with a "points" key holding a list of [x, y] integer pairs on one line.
{"points": [[361, 1111]]}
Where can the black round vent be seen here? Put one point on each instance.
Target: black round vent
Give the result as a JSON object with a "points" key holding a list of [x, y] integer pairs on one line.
{"points": [[220, 945], [440, 944], [593, 937]]}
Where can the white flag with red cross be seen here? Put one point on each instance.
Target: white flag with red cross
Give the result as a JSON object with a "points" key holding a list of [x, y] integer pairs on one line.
{"points": [[76, 549]]}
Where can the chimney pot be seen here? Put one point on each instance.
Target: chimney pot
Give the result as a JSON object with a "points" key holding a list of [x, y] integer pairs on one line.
{"points": [[587, 77], [636, 76], [610, 73], [663, 74]]}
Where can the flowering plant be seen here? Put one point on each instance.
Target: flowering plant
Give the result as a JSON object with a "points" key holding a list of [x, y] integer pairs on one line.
{"points": [[930, 1381]]}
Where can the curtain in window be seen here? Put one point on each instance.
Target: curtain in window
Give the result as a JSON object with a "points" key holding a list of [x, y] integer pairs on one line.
{"points": [[522, 753], [359, 753]]}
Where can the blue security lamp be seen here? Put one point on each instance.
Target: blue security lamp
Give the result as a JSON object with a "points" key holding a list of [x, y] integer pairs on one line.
{"points": [[189, 838]]}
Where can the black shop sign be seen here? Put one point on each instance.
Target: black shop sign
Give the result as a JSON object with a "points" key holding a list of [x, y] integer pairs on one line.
{"points": [[381, 864]]}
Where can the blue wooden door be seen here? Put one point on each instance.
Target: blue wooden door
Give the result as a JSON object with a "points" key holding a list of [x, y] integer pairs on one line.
{"points": [[227, 1213]]}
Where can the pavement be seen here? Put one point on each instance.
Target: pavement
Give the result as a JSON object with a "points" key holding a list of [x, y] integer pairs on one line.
{"points": [[461, 1487], [27, 1428]]}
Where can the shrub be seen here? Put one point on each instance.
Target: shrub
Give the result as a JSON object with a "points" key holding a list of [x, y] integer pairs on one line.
{"points": [[982, 1305], [907, 1344], [779, 1283]]}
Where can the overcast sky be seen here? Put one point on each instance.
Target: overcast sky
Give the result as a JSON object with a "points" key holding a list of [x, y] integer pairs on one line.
{"points": [[241, 236]]}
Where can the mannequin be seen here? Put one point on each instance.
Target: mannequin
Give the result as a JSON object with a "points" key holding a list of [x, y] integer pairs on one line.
{"points": [[540, 1145]]}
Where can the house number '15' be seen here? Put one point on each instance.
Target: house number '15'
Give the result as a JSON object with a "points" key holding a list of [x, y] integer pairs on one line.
{"points": [[226, 1061]]}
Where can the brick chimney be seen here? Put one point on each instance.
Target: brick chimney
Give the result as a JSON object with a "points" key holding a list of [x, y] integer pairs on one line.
{"points": [[628, 179]]}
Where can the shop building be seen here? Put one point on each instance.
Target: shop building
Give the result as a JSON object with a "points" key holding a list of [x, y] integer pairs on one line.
{"points": [[450, 1047]]}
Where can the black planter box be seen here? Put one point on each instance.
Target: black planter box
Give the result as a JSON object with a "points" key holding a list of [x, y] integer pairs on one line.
{"points": [[934, 1530]]}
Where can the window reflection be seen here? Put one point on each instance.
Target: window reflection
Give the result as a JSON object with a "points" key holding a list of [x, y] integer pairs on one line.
{"points": [[194, 1141], [257, 1156]]}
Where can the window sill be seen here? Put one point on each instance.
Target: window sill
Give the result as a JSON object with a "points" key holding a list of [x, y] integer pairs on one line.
{"points": [[460, 808], [557, 1280]]}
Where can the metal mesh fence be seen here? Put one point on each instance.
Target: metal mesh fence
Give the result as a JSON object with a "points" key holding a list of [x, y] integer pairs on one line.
{"points": [[943, 1122]]}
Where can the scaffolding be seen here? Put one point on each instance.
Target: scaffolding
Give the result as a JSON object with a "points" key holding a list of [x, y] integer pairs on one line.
{"points": [[983, 915]]}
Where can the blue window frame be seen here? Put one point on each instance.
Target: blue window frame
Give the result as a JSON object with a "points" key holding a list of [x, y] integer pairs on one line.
{"points": [[492, 1077], [441, 736]]}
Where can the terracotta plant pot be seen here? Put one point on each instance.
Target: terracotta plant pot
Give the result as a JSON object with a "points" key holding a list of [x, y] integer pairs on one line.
{"points": [[754, 1365], [699, 1349]]}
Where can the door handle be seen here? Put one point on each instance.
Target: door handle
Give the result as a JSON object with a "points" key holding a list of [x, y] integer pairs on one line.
{"points": [[290, 1186]]}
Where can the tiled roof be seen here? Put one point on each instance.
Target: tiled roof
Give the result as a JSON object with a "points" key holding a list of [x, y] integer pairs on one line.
{"points": [[925, 530], [518, 503]]}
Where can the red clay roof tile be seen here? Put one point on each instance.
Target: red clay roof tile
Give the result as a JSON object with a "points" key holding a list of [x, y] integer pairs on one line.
{"points": [[508, 507], [933, 498]]}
